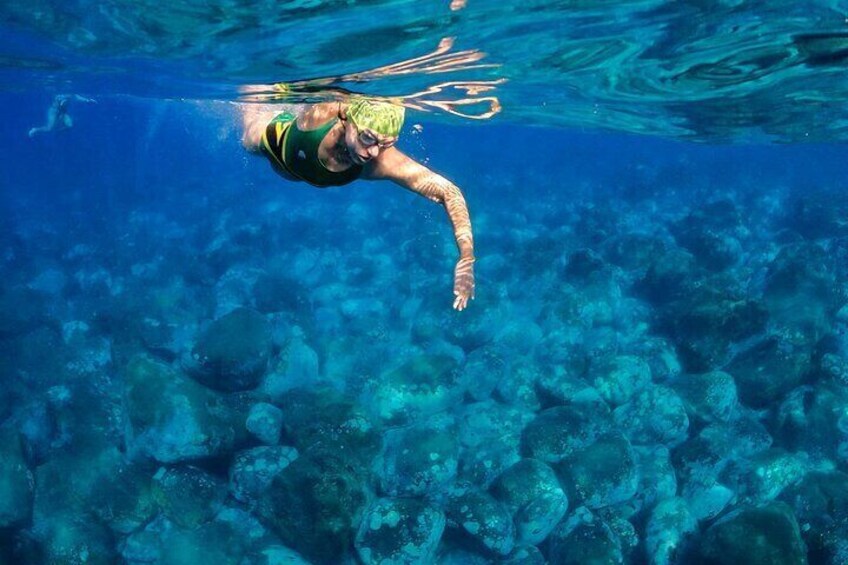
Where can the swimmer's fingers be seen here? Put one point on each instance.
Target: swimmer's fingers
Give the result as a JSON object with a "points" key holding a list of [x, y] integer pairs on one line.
{"points": [[463, 283]]}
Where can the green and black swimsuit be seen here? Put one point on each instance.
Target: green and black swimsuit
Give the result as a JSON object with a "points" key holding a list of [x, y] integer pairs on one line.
{"points": [[296, 152]]}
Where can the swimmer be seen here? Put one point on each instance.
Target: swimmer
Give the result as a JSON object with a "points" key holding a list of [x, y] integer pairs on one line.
{"points": [[334, 143], [57, 114]]}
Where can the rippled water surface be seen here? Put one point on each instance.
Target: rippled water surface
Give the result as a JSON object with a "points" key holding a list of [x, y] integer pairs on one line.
{"points": [[709, 70]]}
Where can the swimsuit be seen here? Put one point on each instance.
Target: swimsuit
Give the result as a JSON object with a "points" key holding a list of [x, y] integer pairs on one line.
{"points": [[296, 152]]}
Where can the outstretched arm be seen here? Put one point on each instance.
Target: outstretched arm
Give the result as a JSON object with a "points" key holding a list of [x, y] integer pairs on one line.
{"points": [[393, 165]]}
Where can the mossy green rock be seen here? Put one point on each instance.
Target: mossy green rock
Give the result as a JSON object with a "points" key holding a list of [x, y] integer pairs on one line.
{"points": [[558, 432], [768, 535], [399, 531], [173, 418], [593, 543], [233, 353], [532, 494], [187, 495], [601, 474], [314, 505]]}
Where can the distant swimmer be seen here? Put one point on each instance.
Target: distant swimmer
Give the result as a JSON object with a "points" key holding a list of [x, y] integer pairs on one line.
{"points": [[334, 143], [57, 114]]}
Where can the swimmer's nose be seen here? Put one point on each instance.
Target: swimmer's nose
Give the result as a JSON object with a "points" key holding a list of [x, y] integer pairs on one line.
{"points": [[374, 150]]}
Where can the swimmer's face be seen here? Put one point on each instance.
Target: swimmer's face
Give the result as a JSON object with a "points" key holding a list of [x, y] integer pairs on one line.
{"points": [[364, 145]]}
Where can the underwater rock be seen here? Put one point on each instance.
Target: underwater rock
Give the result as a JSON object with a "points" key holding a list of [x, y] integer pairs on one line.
{"points": [[707, 321], [188, 496], [820, 502], [298, 366], [557, 387], [279, 292], [556, 433], [399, 531], [265, 422], [657, 479], [764, 476], [655, 415], [233, 353], [226, 540], [801, 294], [617, 378], [483, 519], [314, 505], [76, 541], [705, 497], [123, 499], [668, 529], [253, 470], [531, 492], [765, 534], [660, 355], [518, 385], [172, 417], [667, 278], [418, 461], [490, 436], [483, 370], [324, 421], [16, 481], [633, 251], [714, 246], [488, 422], [592, 542], [524, 555], [601, 474], [765, 373], [274, 555], [419, 387], [708, 397]]}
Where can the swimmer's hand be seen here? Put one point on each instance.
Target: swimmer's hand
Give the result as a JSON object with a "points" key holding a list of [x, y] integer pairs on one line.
{"points": [[463, 282]]}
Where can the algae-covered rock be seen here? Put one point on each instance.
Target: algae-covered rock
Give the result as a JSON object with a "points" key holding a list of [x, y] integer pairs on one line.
{"points": [[123, 499], [531, 492], [768, 371], [669, 528], [314, 505], [16, 481], [265, 422], [657, 479], [708, 397], [820, 502], [766, 535], [419, 387], [558, 432], [484, 519], [187, 495], [399, 531], [72, 540], [655, 415], [324, 421], [274, 555], [601, 474], [233, 353], [592, 542], [618, 378], [418, 461], [253, 470], [172, 417]]}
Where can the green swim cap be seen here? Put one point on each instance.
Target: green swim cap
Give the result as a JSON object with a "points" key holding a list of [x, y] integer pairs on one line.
{"points": [[384, 118]]}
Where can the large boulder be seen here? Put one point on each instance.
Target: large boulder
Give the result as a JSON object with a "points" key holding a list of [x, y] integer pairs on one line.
{"points": [[766, 535], [233, 353], [399, 531], [16, 481], [315, 505], [172, 418]]}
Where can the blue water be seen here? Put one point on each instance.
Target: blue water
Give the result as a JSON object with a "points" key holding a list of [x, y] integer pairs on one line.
{"points": [[203, 362]]}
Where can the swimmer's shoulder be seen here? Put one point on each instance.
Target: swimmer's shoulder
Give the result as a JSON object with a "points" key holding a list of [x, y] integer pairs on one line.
{"points": [[317, 115]]}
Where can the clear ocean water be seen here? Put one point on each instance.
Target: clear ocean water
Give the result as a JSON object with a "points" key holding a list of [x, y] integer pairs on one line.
{"points": [[201, 362]]}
